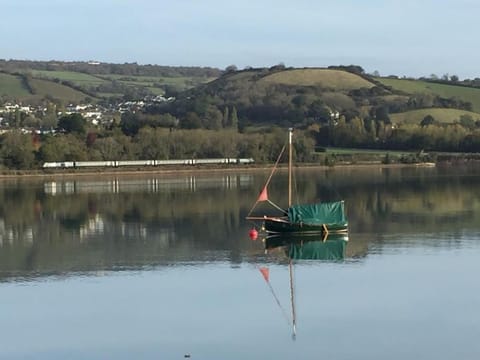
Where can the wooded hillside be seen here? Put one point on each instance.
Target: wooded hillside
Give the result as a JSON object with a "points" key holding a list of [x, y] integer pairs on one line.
{"points": [[235, 113]]}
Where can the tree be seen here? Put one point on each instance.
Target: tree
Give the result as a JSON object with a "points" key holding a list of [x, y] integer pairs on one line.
{"points": [[381, 114], [299, 101], [234, 119], [72, 123], [151, 144], [108, 149], [231, 68], [427, 120], [50, 120], [130, 123], [17, 151], [213, 118], [191, 121], [226, 117], [63, 148], [319, 112], [467, 122]]}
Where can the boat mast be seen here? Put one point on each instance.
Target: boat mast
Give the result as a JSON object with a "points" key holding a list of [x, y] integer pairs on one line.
{"points": [[292, 300], [290, 152]]}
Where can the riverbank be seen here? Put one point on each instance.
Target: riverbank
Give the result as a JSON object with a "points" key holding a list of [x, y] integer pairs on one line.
{"points": [[171, 171]]}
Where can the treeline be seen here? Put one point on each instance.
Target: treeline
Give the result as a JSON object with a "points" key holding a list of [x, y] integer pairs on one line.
{"points": [[75, 142], [463, 136], [132, 69], [152, 137], [452, 80]]}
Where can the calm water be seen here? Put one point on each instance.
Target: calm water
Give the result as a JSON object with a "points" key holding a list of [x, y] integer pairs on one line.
{"points": [[158, 267]]}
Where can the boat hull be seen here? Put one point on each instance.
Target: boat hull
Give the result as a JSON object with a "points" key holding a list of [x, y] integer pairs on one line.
{"points": [[280, 226]]}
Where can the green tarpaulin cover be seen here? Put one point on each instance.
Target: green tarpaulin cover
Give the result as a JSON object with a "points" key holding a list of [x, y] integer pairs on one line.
{"points": [[317, 214]]}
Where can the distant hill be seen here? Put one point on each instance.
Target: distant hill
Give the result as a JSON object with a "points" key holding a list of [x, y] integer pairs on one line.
{"points": [[337, 80], [258, 96], [304, 96], [75, 81]]}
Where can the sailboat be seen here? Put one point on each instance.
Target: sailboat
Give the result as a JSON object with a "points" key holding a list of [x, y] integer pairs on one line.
{"points": [[318, 218]]}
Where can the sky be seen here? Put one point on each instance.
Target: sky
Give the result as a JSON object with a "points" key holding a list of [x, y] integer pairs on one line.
{"points": [[410, 38]]}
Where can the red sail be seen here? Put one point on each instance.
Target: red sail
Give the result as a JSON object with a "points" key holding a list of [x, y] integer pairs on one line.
{"points": [[265, 273], [263, 195]]}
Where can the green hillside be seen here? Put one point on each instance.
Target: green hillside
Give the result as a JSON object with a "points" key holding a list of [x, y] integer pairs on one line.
{"points": [[447, 91], [56, 91], [439, 114], [262, 97], [12, 86], [74, 77], [97, 80], [324, 78]]}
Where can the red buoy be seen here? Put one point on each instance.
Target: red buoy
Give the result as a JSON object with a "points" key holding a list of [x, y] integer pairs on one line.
{"points": [[253, 233]]}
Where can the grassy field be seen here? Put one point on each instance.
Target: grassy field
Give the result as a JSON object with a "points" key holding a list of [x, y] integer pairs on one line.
{"points": [[75, 77], [447, 91], [338, 100], [150, 82], [182, 82], [57, 91], [242, 75], [12, 86], [326, 78], [352, 151], [441, 115], [334, 156]]}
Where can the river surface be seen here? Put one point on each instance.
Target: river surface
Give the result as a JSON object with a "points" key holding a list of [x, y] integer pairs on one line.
{"points": [[162, 267]]}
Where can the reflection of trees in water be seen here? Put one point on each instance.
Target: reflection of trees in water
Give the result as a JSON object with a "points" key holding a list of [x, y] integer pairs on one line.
{"points": [[108, 230], [137, 229], [372, 195]]}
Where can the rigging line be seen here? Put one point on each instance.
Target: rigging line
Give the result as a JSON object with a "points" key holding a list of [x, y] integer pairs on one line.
{"points": [[295, 188], [277, 207], [269, 177]]}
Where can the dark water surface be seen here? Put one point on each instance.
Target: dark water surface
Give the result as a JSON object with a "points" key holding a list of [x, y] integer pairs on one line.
{"points": [[157, 267]]}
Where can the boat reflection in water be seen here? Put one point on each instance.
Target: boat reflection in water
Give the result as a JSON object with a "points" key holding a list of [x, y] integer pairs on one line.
{"points": [[331, 247], [297, 248]]}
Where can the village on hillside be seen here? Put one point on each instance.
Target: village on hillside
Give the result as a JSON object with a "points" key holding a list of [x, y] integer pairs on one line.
{"points": [[30, 118]]}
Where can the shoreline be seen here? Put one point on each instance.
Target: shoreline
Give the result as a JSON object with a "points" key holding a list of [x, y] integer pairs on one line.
{"points": [[64, 173]]}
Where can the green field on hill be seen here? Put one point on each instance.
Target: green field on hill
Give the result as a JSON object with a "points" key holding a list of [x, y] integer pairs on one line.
{"points": [[174, 80], [447, 91], [439, 114], [57, 91], [152, 83], [325, 78], [74, 77], [12, 86]]}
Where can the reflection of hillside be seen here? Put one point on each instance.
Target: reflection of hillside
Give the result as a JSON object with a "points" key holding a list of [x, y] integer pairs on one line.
{"points": [[87, 225], [375, 200]]}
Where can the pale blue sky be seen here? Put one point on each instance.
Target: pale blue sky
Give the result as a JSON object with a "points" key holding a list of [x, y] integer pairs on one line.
{"points": [[401, 37]]}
